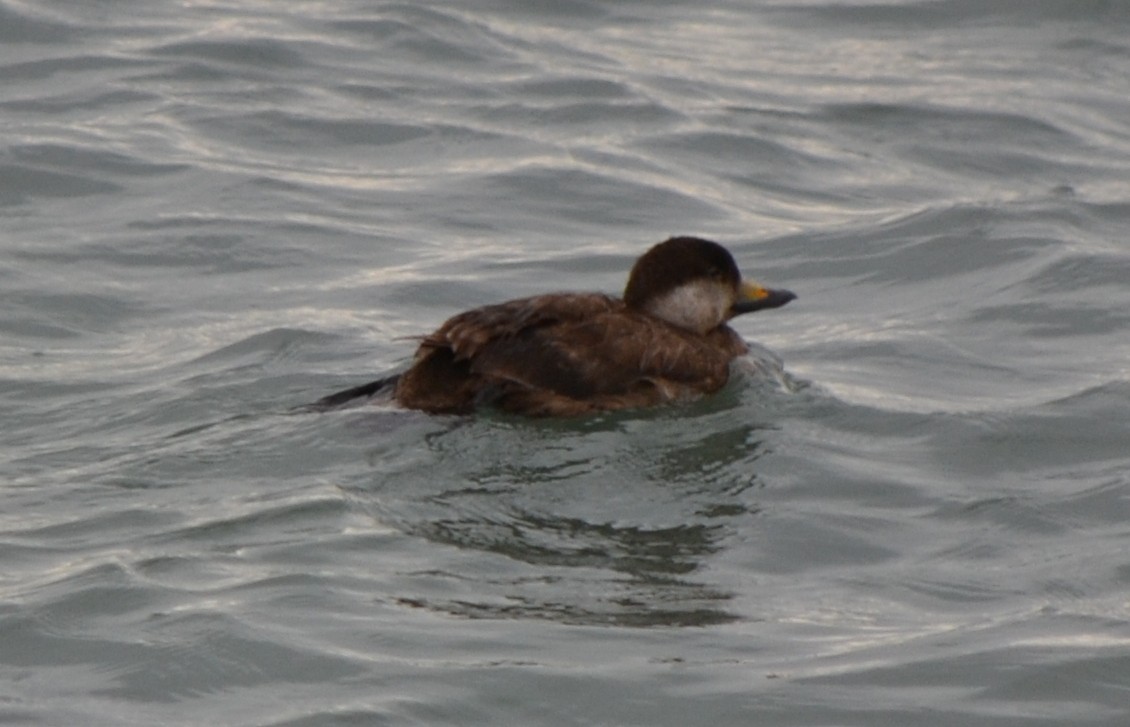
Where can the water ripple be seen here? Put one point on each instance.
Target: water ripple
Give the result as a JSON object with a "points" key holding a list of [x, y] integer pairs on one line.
{"points": [[213, 213]]}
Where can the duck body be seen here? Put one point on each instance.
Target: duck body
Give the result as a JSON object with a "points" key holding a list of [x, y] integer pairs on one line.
{"points": [[569, 354], [563, 355]]}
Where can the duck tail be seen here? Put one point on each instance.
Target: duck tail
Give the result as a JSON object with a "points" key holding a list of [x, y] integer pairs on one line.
{"points": [[357, 392]]}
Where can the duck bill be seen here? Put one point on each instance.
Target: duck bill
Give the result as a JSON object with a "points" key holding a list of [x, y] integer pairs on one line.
{"points": [[753, 297]]}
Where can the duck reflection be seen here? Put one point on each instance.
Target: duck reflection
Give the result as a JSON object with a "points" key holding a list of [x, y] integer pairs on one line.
{"points": [[556, 524]]}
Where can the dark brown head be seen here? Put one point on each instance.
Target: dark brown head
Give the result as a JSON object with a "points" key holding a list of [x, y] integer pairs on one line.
{"points": [[695, 284]]}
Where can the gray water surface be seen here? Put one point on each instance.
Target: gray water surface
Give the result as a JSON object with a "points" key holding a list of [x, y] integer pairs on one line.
{"points": [[213, 213]]}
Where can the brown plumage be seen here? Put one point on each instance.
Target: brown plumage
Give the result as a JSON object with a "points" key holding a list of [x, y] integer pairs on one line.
{"points": [[567, 354]]}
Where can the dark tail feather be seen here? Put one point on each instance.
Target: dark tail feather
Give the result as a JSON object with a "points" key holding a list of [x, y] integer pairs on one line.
{"points": [[365, 390]]}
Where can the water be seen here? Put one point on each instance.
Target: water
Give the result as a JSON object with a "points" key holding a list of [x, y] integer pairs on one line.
{"points": [[212, 213]]}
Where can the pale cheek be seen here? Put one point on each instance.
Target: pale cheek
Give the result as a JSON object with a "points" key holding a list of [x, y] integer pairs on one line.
{"points": [[695, 307]]}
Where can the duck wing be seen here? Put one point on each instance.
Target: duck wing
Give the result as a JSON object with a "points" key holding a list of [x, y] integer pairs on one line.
{"points": [[610, 353], [469, 333], [562, 355]]}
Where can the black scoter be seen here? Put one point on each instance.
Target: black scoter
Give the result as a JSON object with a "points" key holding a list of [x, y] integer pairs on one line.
{"points": [[567, 354]]}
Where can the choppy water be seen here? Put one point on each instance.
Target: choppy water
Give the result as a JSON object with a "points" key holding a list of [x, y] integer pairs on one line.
{"points": [[214, 212]]}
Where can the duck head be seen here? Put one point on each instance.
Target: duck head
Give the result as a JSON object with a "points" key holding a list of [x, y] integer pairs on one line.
{"points": [[696, 285]]}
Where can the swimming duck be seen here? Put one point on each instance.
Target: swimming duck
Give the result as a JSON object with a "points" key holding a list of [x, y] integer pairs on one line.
{"points": [[567, 354]]}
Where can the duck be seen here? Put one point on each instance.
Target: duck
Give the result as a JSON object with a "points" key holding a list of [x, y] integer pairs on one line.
{"points": [[666, 339]]}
